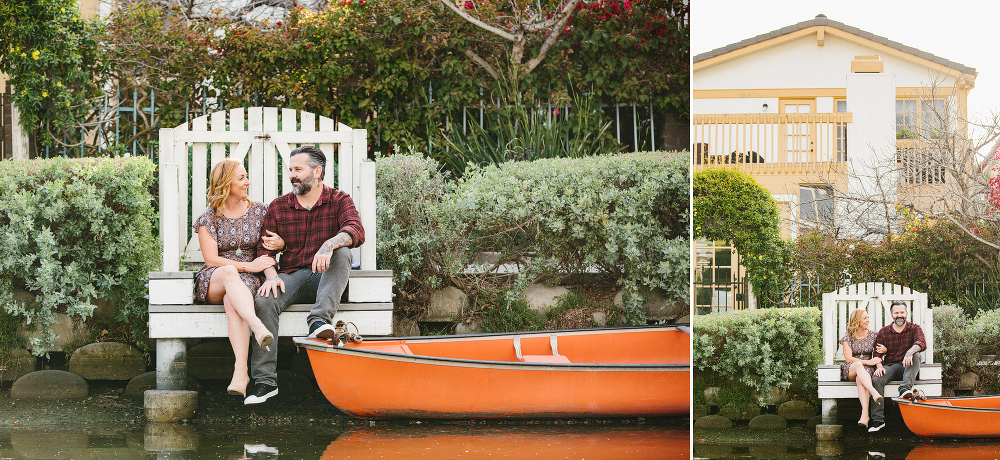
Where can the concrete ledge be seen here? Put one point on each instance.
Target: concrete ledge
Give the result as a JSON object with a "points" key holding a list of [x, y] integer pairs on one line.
{"points": [[829, 432], [167, 406]]}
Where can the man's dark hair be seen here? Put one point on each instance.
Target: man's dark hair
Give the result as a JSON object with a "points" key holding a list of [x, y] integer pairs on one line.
{"points": [[316, 158], [897, 303]]}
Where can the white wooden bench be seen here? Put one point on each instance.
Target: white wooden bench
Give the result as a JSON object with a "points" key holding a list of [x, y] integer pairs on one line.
{"points": [[259, 136], [876, 299]]}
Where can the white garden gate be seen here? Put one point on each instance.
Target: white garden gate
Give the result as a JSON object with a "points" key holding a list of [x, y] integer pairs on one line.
{"points": [[876, 299], [265, 134]]}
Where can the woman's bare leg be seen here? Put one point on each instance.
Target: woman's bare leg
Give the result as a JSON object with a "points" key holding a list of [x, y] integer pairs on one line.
{"points": [[239, 296], [857, 373], [239, 338]]}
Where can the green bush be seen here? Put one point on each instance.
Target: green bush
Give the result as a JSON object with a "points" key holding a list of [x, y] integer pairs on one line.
{"points": [[625, 216], [729, 205], [759, 348], [73, 231], [953, 347]]}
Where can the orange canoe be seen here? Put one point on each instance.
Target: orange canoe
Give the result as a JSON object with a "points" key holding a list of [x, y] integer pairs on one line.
{"points": [[514, 442], [579, 373], [954, 417]]}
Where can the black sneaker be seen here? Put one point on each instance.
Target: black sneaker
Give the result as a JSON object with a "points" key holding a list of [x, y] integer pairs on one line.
{"points": [[876, 426], [261, 392], [321, 330], [907, 394]]}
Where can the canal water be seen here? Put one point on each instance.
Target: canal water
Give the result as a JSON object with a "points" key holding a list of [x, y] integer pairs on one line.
{"points": [[628, 439]]}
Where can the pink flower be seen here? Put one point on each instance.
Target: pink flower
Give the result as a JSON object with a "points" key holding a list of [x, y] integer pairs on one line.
{"points": [[555, 112]]}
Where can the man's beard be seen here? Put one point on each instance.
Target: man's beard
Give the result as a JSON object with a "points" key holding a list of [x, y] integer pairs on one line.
{"points": [[301, 188], [900, 321]]}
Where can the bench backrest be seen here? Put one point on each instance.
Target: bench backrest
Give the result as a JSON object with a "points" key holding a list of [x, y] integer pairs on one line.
{"points": [[262, 137], [875, 298]]}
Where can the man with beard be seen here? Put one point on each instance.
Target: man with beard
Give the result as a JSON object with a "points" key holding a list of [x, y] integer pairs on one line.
{"points": [[319, 225], [901, 343]]}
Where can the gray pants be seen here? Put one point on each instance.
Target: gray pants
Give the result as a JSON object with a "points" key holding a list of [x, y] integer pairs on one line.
{"points": [[894, 371], [323, 290]]}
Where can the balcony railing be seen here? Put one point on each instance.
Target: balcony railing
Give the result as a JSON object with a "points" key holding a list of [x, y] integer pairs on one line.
{"points": [[771, 142]]}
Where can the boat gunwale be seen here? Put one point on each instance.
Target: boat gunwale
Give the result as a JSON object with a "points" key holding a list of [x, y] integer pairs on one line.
{"points": [[907, 402], [328, 347], [682, 327]]}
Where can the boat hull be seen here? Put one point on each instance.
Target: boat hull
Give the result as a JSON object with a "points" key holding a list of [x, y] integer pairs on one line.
{"points": [[371, 384], [955, 417]]}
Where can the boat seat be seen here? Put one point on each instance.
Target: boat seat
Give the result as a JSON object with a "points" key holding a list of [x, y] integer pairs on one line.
{"points": [[555, 357]]}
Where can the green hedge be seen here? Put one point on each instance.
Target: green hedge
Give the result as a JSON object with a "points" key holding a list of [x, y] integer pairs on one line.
{"points": [[758, 349], [72, 231], [965, 345], [625, 216]]}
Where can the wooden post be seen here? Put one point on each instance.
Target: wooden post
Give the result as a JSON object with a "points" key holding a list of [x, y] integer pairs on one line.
{"points": [[19, 136]]}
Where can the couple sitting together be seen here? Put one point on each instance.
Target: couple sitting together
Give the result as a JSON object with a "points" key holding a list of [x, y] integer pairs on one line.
{"points": [[873, 359], [313, 228]]}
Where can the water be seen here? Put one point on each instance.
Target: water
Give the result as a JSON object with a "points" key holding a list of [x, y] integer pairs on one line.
{"points": [[358, 440]]}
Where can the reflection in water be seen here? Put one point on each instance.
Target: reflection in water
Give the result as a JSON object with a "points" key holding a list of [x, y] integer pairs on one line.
{"points": [[385, 440], [960, 450], [905, 447], [510, 442]]}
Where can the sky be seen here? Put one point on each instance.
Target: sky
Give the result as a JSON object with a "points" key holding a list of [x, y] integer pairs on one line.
{"points": [[962, 31]]}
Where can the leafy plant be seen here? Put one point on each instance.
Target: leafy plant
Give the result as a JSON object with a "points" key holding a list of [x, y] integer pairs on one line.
{"points": [[75, 230], [760, 348]]}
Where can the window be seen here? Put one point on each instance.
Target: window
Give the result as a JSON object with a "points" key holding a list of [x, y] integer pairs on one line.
{"points": [[816, 204], [921, 118], [714, 281]]}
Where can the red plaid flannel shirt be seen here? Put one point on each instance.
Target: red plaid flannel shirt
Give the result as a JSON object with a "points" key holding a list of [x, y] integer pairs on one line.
{"points": [[898, 342], [305, 230]]}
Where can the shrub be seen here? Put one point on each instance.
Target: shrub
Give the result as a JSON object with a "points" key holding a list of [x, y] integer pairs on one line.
{"points": [[625, 216], [729, 205], [953, 344], [73, 231], [759, 348]]}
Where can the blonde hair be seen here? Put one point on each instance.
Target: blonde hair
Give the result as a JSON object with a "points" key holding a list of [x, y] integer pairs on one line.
{"points": [[222, 178], [855, 322]]}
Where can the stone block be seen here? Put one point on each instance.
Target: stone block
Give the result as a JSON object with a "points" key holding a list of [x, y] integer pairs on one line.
{"points": [[68, 329], [15, 363], [138, 385], [168, 406], [405, 327], [713, 422], [813, 421], [49, 385], [774, 396], [699, 412], [656, 306], [211, 360], [829, 432], [107, 361], [446, 304], [968, 381], [739, 412], [468, 328], [712, 396], [948, 392], [600, 318], [686, 319], [170, 437], [797, 410], [542, 298], [768, 422]]}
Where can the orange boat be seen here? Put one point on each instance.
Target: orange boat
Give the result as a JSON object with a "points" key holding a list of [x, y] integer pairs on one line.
{"points": [[579, 373], [954, 417], [515, 442]]}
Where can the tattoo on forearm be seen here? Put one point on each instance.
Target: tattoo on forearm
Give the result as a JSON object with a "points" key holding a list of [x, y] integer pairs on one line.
{"points": [[341, 240]]}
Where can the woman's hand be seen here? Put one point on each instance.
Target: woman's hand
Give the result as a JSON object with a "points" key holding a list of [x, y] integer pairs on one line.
{"points": [[879, 348], [874, 361], [273, 242], [260, 264]]}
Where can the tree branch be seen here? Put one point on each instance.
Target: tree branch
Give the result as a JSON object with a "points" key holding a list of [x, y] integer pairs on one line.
{"points": [[553, 36], [477, 22], [482, 63]]}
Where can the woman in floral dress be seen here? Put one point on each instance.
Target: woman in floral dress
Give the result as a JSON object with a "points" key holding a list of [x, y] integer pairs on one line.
{"points": [[228, 232], [860, 362]]}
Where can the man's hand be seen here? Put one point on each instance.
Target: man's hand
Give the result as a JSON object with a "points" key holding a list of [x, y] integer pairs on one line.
{"points": [[271, 285], [908, 360], [879, 371], [321, 261]]}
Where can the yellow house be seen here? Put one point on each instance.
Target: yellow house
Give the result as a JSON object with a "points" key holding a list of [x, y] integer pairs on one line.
{"points": [[822, 115]]}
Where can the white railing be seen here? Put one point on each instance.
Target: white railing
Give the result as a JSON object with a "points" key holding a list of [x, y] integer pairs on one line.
{"points": [[770, 139]]}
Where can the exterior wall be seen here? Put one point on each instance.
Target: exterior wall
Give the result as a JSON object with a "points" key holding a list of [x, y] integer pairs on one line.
{"points": [[801, 64]]}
